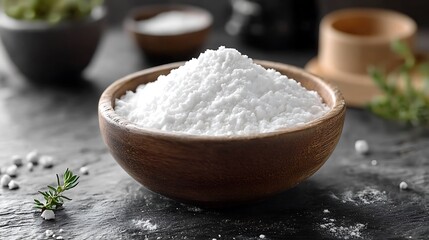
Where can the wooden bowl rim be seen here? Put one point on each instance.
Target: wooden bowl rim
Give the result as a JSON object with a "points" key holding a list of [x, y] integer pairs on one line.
{"points": [[327, 22], [107, 112], [130, 19]]}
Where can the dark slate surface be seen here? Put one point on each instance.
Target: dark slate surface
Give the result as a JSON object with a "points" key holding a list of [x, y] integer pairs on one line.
{"points": [[108, 204]]}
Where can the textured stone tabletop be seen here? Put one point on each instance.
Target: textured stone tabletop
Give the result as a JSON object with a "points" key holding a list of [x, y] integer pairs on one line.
{"points": [[348, 198]]}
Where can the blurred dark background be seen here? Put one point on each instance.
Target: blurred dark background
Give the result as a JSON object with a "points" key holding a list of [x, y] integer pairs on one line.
{"points": [[276, 30], [221, 9], [276, 24]]}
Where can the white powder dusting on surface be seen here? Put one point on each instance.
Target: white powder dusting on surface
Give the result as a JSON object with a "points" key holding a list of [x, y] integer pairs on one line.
{"points": [[367, 196], [343, 232], [221, 93], [194, 209], [145, 225], [173, 22]]}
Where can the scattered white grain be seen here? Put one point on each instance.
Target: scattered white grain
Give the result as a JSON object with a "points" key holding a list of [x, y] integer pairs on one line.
{"points": [[221, 93], [61, 230], [374, 162], [59, 237], [366, 196], [30, 166], [46, 161], [262, 236], [5, 180], [361, 147], [17, 160], [403, 186], [12, 170], [173, 22], [32, 157], [344, 232], [193, 209], [84, 170], [145, 225], [13, 185], [326, 211], [48, 214], [49, 233]]}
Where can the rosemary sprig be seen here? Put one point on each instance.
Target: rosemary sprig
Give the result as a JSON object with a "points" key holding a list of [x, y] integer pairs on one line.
{"points": [[54, 198], [410, 105]]}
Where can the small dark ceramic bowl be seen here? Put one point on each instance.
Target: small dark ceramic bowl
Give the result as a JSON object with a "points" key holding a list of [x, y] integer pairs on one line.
{"points": [[166, 48], [43, 51]]}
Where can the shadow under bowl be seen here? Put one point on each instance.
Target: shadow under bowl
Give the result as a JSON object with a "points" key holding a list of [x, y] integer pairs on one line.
{"points": [[163, 48], [220, 171], [45, 52]]}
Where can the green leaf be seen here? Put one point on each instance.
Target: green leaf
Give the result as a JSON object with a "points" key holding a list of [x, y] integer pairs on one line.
{"points": [[58, 180], [53, 197], [410, 105], [44, 194], [66, 197], [402, 49], [52, 188]]}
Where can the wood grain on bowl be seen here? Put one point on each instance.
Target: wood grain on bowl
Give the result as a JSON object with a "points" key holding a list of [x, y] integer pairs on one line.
{"points": [[220, 171]]}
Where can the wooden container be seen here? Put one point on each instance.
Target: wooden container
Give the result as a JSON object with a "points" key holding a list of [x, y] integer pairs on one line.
{"points": [[351, 41], [220, 171], [169, 47]]}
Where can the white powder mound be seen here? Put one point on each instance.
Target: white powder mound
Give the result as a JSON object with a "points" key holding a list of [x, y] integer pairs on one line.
{"points": [[173, 22], [221, 93]]}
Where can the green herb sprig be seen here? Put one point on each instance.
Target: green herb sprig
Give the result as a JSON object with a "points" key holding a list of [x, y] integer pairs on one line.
{"points": [[49, 10], [409, 105], [54, 198]]}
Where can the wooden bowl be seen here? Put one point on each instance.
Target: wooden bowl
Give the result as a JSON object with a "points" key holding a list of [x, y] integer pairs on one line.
{"points": [[351, 40], [166, 48], [220, 171]]}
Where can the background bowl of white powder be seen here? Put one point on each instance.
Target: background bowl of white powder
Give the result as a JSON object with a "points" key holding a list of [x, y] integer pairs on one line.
{"points": [[215, 166], [167, 33]]}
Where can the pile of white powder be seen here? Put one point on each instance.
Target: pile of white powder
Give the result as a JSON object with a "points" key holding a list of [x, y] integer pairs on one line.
{"points": [[221, 93], [173, 22]]}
